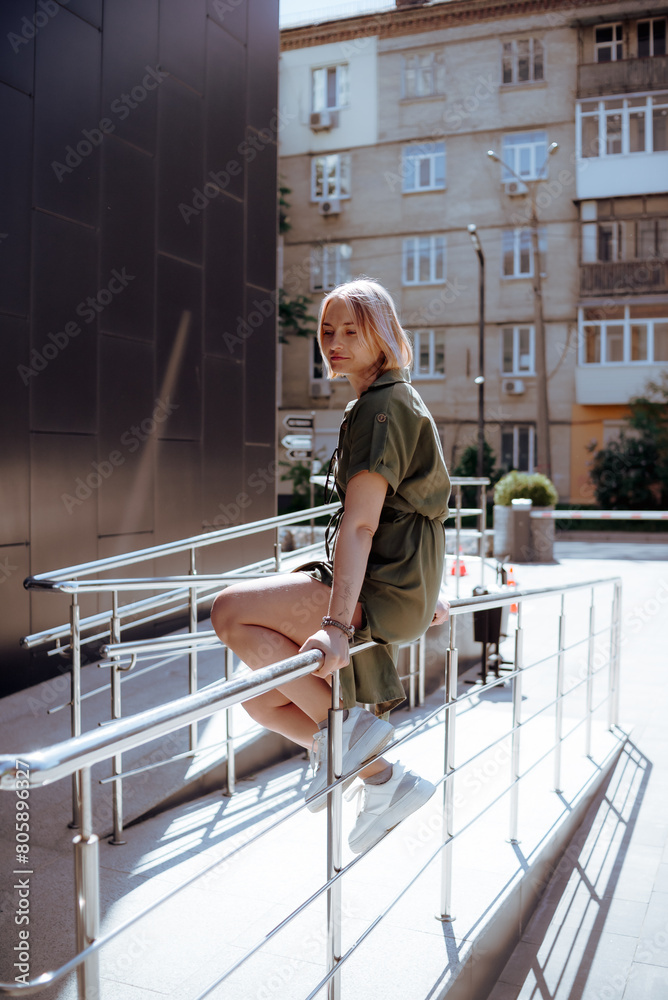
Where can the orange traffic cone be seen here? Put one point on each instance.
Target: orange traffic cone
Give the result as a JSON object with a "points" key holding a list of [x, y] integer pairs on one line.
{"points": [[462, 566], [512, 582]]}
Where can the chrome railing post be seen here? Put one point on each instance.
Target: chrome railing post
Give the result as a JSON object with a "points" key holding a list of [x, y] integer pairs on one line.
{"points": [[116, 713], [458, 528], [517, 721], [87, 892], [482, 520], [192, 656], [422, 667], [412, 672], [229, 728], [559, 707], [75, 697], [613, 666], [449, 764], [334, 826], [591, 648]]}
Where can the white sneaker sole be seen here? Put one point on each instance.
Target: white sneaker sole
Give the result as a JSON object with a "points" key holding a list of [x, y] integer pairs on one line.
{"points": [[368, 745], [409, 803]]}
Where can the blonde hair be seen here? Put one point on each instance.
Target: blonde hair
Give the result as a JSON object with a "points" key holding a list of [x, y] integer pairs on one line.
{"points": [[378, 326]]}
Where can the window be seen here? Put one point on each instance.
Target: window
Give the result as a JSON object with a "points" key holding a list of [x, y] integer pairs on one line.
{"points": [[330, 265], [522, 61], [330, 88], [330, 176], [318, 373], [620, 125], [651, 238], [624, 239], [518, 448], [636, 334], [518, 350], [652, 37], [423, 75], [608, 44], [428, 354], [525, 153], [423, 167], [424, 260], [518, 252]]}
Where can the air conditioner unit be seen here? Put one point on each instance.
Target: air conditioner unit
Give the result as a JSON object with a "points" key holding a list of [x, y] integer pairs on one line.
{"points": [[320, 390], [322, 121], [330, 206], [513, 386], [515, 188]]}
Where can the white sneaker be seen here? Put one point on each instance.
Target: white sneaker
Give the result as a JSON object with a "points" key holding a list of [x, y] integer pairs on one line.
{"points": [[383, 806], [364, 736]]}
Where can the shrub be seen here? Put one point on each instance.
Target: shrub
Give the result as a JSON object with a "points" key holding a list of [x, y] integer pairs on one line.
{"points": [[530, 486]]}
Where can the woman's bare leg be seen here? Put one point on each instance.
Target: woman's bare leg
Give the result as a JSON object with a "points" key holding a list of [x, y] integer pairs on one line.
{"points": [[264, 621]]}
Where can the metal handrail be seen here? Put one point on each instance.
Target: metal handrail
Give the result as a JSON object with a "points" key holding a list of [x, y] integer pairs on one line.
{"points": [[78, 754]]}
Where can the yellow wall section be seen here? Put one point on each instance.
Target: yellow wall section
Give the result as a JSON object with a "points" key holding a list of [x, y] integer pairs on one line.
{"points": [[587, 426]]}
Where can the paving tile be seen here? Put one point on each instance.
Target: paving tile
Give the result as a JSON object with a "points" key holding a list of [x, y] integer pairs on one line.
{"points": [[646, 982], [653, 942]]}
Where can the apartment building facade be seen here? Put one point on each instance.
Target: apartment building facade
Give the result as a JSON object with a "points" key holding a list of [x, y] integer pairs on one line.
{"points": [[386, 156]]}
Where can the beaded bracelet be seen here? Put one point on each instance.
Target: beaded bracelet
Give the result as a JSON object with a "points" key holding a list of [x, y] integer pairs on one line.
{"points": [[348, 629]]}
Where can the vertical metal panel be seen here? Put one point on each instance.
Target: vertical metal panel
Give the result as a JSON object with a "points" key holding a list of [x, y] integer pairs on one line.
{"points": [[115, 545], [128, 431], [89, 10], [263, 39], [127, 238], [178, 492], [233, 19], [181, 160], [17, 64], [260, 367], [182, 29], [15, 198], [224, 279], [14, 433], [222, 442], [262, 218], [64, 388], [15, 604], [63, 514], [178, 363], [259, 485], [126, 58], [225, 107], [67, 102]]}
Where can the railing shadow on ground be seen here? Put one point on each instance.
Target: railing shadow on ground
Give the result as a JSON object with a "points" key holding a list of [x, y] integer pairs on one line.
{"points": [[564, 925]]}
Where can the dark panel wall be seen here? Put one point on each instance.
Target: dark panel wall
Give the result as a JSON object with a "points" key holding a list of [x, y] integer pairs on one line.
{"points": [[137, 284]]}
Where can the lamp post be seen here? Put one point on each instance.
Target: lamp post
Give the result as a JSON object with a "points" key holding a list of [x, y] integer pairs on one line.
{"points": [[480, 380], [544, 453]]}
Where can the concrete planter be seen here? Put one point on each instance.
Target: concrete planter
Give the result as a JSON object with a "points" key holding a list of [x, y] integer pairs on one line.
{"points": [[510, 535]]}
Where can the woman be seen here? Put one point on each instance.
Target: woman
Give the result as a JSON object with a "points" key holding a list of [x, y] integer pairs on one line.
{"points": [[384, 582]]}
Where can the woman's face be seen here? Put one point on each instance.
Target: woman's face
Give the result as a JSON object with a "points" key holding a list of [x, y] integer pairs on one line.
{"points": [[341, 345]]}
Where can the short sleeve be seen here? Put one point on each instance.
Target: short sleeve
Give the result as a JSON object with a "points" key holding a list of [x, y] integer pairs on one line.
{"points": [[383, 436]]}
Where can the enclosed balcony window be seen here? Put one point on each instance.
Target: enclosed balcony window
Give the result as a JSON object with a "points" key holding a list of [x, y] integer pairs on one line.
{"points": [[652, 37], [636, 334], [608, 43], [621, 125]]}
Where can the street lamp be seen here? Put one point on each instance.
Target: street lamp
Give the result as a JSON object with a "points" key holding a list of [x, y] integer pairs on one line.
{"points": [[480, 380], [543, 415]]}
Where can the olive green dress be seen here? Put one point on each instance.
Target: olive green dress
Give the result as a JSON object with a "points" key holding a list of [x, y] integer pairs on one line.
{"points": [[389, 430]]}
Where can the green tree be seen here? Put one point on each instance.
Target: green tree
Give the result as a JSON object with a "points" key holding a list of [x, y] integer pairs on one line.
{"points": [[631, 473], [468, 465]]}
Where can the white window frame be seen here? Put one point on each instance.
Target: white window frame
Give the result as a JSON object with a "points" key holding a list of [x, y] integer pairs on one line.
{"points": [[657, 99], [333, 263], [521, 236], [651, 21], [436, 69], [514, 143], [617, 40], [517, 371], [516, 428], [413, 156], [536, 46], [340, 160], [428, 338], [627, 322], [411, 259], [342, 86]]}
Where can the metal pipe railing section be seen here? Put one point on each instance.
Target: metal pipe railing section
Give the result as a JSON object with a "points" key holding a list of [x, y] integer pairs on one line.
{"points": [[77, 755]]}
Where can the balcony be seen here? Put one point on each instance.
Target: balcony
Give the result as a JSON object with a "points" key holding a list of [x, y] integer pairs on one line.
{"points": [[626, 76], [614, 384], [622, 277]]}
